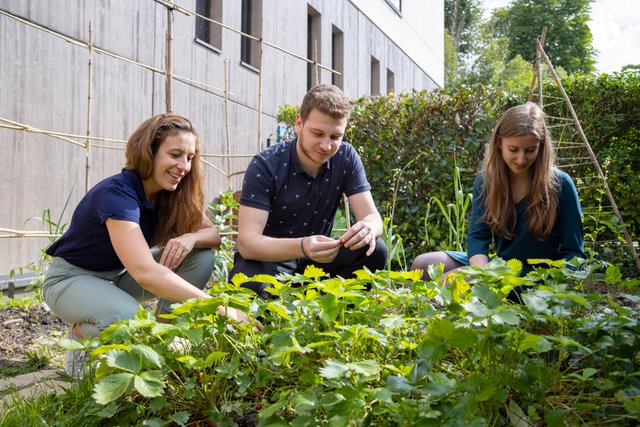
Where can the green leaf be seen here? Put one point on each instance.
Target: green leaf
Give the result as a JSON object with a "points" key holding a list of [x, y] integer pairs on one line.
{"points": [[330, 399], [575, 298], [392, 322], [507, 316], [535, 343], [329, 304], [304, 402], [69, 344], [149, 383], [107, 348], [111, 387], [180, 418], [517, 417], [534, 302], [124, 360], [486, 295], [333, 369], [313, 272], [214, 357], [443, 330], [277, 308], [554, 417], [150, 357], [368, 368], [632, 406], [399, 384]]}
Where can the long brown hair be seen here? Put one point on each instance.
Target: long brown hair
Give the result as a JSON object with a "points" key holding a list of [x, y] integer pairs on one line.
{"points": [[179, 211], [500, 213]]}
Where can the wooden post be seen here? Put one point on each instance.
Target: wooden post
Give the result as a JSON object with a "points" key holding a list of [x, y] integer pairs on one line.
{"points": [[591, 154], [168, 59], [260, 65], [226, 121], [89, 96]]}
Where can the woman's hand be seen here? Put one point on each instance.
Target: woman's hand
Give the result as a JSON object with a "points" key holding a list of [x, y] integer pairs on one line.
{"points": [[177, 249], [239, 316]]}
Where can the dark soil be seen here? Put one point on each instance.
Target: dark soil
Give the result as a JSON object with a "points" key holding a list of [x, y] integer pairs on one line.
{"points": [[31, 333]]}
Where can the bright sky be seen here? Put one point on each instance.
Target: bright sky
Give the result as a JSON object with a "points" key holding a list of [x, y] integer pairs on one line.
{"points": [[615, 27]]}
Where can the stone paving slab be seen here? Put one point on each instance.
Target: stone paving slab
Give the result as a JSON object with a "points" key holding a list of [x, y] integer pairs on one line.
{"points": [[32, 384]]}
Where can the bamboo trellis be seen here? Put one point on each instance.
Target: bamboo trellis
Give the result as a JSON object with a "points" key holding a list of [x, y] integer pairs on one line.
{"points": [[572, 153], [87, 141]]}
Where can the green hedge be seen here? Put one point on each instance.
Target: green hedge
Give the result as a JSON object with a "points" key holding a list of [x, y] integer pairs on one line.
{"points": [[411, 144]]}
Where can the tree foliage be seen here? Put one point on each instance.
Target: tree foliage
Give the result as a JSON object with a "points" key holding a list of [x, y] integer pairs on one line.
{"points": [[462, 18], [568, 41]]}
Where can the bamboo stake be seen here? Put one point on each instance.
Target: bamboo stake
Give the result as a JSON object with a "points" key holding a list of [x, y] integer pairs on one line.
{"points": [[167, 67], [591, 155], [259, 147], [226, 121], [89, 95]]}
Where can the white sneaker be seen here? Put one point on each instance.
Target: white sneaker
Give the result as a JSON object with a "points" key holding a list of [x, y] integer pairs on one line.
{"points": [[76, 359]]}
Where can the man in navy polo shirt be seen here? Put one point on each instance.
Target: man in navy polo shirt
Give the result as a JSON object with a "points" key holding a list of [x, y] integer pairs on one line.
{"points": [[290, 195]]}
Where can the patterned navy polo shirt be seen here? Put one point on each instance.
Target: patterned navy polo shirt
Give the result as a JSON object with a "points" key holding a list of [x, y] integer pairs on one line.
{"points": [[298, 204]]}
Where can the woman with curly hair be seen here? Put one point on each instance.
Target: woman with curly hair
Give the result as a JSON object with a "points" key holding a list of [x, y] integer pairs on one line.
{"points": [[521, 201], [103, 265]]}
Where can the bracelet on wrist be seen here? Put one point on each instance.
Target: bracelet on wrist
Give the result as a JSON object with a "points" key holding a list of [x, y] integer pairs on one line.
{"points": [[302, 247]]}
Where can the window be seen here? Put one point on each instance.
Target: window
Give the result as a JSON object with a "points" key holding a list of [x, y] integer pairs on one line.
{"points": [[313, 47], [337, 56], [375, 76], [251, 24], [206, 31], [390, 81]]}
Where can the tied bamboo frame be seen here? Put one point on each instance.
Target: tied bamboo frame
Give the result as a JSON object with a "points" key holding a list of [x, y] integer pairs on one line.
{"points": [[87, 141]]}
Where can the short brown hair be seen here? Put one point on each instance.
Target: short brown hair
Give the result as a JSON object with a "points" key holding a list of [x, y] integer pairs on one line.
{"points": [[328, 99]]}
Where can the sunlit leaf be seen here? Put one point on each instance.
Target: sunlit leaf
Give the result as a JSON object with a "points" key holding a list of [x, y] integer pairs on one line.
{"points": [[313, 272], [149, 383], [70, 344], [486, 295], [392, 322], [124, 360], [111, 387], [150, 357], [304, 402], [333, 369]]}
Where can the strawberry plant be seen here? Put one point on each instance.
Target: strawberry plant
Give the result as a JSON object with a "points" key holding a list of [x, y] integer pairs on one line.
{"points": [[382, 349]]}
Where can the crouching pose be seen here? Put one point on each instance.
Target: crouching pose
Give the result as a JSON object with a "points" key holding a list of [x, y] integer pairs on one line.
{"points": [[521, 202], [292, 191], [103, 266]]}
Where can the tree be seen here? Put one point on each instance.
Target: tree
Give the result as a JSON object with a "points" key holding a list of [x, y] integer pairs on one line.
{"points": [[462, 18], [568, 41]]}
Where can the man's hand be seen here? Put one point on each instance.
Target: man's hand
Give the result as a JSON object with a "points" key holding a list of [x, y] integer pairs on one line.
{"points": [[361, 234], [320, 248]]}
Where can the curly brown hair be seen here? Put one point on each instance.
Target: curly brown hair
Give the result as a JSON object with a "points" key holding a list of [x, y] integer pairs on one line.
{"points": [[179, 211], [542, 209]]}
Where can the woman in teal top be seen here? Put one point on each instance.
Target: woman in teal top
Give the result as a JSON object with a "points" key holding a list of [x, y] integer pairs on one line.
{"points": [[521, 202]]}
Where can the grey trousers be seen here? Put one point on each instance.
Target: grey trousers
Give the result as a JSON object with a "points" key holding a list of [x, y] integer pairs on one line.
{"points": [[97, 299]]}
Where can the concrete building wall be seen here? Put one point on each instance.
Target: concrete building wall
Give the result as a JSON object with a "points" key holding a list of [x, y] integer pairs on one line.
{"points": [[44, 84]]}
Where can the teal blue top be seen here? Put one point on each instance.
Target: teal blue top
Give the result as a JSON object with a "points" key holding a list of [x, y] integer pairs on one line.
{"points": [[564, 242]]}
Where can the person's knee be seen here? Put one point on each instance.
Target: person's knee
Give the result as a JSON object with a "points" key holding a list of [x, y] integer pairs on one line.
{"points": [[113, 313], [378, 259], [423, 261], [197, 267]]}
